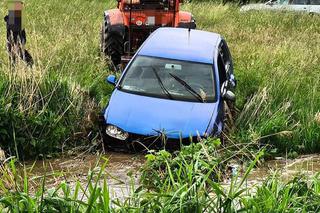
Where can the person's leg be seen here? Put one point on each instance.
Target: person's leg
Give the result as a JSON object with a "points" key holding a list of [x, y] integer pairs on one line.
{"points": [[28, 58]]}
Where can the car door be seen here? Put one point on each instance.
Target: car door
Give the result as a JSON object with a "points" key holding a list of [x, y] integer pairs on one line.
{"points": [[225, 72], [314, 6]]}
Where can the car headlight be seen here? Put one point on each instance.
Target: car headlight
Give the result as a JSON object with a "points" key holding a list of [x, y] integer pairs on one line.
{"points": [[116, 132]]}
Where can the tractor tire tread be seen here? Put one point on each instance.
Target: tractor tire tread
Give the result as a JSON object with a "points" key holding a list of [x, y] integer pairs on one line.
{"points": [[111, 45]]}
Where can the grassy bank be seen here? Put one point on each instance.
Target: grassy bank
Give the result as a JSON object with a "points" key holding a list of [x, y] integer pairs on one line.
{"points": [[48, 107], [276, 58]]}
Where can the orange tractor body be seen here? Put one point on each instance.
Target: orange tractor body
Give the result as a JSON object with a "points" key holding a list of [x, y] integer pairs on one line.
{"points": [[124, 29]]}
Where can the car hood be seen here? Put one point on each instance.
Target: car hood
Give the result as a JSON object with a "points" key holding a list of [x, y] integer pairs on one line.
{"points": [[148, 115]]}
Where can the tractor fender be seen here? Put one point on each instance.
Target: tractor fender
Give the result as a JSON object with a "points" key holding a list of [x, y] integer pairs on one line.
{"points": [[185, 20], [114, 21]]}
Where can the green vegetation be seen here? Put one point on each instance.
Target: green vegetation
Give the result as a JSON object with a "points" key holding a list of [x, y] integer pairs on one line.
{"points": [[38, 112], [50, 106], [188, 185], [276, 58], [277, 64]]}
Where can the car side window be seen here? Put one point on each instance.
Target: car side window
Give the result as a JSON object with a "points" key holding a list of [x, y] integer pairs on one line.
{"points": [[299, 2], [315, 2], [224, 62], [222, 70]]}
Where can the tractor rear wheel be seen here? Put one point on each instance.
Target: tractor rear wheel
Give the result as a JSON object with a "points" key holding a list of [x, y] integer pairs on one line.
{"points": [[111, 44]]}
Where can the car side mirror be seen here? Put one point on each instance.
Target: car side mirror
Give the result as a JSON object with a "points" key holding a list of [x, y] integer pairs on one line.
{"points": [[111, 79], [226, 93], [229, 95]]}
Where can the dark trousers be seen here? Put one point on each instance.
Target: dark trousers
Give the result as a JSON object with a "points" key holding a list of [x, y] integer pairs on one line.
{"points": [[16, 40]]}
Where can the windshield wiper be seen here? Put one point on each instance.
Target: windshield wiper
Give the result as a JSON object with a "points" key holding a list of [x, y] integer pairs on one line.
{"points": [[161, 84], [188, 87]]}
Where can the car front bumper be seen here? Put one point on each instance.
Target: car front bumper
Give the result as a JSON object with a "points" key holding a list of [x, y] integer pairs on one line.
{"points": [[141, 142]]}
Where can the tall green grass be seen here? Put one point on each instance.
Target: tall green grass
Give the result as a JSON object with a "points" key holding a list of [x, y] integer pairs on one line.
{"points": [[46, 108], [39, 111], [276, 58]]}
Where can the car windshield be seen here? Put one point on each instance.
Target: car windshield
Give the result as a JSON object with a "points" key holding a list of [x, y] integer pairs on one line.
{"points": [[170, 79]]}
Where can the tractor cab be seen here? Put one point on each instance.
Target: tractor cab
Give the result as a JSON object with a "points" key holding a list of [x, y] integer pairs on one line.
{"points": [[125, 29]]}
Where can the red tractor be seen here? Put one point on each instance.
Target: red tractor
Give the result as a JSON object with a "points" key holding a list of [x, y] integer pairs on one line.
{"points": [[124, 29]]}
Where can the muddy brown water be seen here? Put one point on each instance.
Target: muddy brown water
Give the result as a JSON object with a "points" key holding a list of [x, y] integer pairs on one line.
{"points": [[123, 170], [308, 165]]}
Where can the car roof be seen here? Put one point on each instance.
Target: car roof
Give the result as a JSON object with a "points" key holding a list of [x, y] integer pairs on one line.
{"points": [[181, 44]]}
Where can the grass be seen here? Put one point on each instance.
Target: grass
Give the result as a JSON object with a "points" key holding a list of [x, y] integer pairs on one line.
{"points": [[46, 108], [276, 58], [63, 198], [189, 187], [36, 108]]}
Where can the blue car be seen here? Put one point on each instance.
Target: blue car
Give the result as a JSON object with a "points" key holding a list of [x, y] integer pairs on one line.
{"points": [[173, 90]]}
